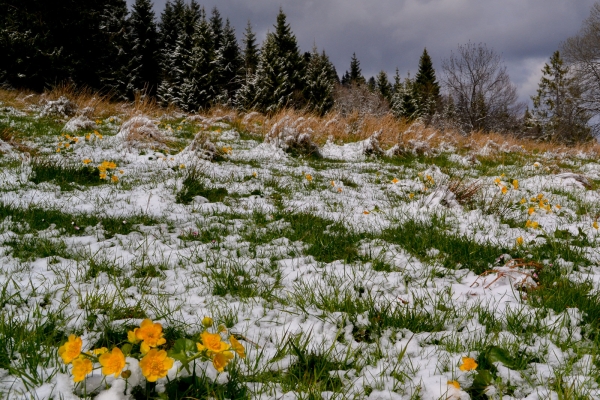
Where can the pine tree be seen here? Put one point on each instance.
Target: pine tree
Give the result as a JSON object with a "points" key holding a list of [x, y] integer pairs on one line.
{"points": [[278, 80], [397, 83], [404, 103], [355, 76], [144, 66], [176, 61], [371, 84], [251, 52], [319, 82], [198, 90], [216, 25], [114, 62], [383, 86], [426, 86], [229, 64], [556, 111]]}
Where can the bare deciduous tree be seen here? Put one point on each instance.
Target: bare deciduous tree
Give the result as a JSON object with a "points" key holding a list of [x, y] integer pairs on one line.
{"points": [[582, 53], [478, 84]]}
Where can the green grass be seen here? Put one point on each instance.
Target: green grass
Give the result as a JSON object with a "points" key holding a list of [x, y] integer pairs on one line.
{"points": [[65, 175], [194, 185], [38, 219], [460, 251]]}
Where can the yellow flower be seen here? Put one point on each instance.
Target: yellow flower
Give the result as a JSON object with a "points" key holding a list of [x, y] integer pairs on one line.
{"points": [[81, 367], [454, 383], [207, 322], [220, 360], [67, 145], [339, 190], [108, 165], [430, 179], [121, 171], [88, 136], [155, 365], [103, 176], [515, 184], [497, 181], [532, 224], [468, 364], [71, 349], [101, 350], [531, 210], [520, 241], [87, 161], [58, 150], [523, 200], [226, 150], [595, 224], [332, 183], [395, 180], [366, 212], [540, 196], [213, 343], [131, 337], [112, 363], [309, 177], [181, 166], [504, 190], [237, 347], [114, 178], [255, 174], [150, 333], [411, 196]]}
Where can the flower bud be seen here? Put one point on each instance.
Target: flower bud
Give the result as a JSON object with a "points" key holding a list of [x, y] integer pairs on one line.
{"points": [[207, 322]]}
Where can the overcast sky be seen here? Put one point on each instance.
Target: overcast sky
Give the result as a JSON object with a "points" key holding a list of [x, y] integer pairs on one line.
{"points": [[386, 34]]}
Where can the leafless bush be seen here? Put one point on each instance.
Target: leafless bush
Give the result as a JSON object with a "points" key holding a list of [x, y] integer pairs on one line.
{"points": [[293, 136], [358, 98], [142, 132], [582, 53], [478, 84]]}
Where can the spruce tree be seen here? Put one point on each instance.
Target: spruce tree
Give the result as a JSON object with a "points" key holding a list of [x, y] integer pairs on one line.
{"points": [[229, 64], [177, 61], [556, 111], [114, 62], [404, 103], [383, 86], [278, 81], [426, 87], [319, 82], [251, 52], [355, 75], [144, 67], [216, 25], [198, 90]]}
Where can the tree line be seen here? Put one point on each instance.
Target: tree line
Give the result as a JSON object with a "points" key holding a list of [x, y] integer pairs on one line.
{"points": [[192, 59]]}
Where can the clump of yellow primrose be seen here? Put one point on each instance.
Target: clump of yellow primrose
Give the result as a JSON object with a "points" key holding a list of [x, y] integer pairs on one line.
{"points": [[71, 349], [155, 365], [468, 364], [113, 362]]}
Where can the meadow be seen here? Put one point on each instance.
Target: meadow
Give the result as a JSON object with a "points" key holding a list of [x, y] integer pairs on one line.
{"points": [[405, 264]]}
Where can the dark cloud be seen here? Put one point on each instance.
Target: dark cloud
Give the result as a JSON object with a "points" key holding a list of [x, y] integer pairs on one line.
{"points": [[386, 34]]}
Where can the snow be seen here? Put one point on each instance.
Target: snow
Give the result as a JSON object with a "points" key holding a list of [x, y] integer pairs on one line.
{"points": [[183, 293]]}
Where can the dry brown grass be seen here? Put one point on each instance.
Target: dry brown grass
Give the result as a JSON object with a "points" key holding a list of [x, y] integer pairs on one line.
{"points": [[341, 129]]}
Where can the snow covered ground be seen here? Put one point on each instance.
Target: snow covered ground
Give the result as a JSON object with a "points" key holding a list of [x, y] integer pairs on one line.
{"points": [[348, 276]]}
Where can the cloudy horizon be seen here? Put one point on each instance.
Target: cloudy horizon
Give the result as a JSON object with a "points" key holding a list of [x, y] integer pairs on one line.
{"points": [[388, 34]]}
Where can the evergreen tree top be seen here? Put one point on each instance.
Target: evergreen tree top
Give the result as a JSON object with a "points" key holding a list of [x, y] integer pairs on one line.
{"points": [[426, 74], [355, 74], [216, 24], [286, 40]]}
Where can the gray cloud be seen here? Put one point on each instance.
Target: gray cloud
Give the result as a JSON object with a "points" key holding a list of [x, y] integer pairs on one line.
{"points": [[386, 34]]}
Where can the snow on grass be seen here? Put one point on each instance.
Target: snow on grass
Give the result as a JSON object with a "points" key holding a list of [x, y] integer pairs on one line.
{"points": [[345, 276]]}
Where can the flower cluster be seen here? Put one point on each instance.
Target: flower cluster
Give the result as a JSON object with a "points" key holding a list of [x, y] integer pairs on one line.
{"points": [[427, 180], [144, 344], [504, 186], [106, 171], [111, 363], [66, 143], [93, 136]]}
